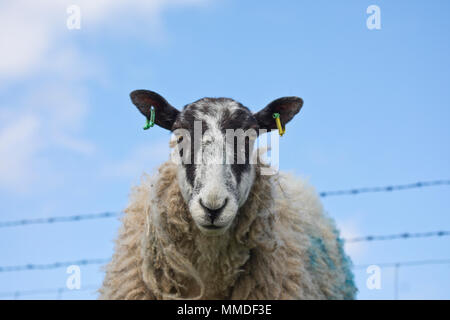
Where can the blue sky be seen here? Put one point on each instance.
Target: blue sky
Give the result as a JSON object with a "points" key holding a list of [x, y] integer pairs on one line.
{"points": [[376, 113]]}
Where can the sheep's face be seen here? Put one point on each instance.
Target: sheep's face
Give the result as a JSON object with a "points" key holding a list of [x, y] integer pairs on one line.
{"points": [[214, 142]]}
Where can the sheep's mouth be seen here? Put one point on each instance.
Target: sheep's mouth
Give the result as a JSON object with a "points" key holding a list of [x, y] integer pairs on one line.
{"points": [[211, 227]]}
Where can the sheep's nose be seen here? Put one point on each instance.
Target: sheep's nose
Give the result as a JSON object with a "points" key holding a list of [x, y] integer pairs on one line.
{"points": [[212, 212]]}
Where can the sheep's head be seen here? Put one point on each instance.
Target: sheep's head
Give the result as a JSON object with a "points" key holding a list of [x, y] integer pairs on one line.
{"points": [[215, 139]]}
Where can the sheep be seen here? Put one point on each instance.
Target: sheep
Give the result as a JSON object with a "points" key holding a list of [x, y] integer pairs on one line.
{"points": [[213, 230]]}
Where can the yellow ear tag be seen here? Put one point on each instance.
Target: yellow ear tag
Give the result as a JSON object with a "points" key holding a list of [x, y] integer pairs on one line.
{"points": [[281, 131]]}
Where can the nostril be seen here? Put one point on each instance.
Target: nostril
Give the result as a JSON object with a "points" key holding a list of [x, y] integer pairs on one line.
{"points": [[212, 207], [213, 213]]}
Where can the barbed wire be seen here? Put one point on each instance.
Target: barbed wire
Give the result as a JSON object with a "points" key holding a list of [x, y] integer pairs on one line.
{"points": [[59, 219], [103, 215], [82, 262], [389, 188], [54, 265], [355, 191], [405, 236], [58, 291], [420, 184], [404, 263]]}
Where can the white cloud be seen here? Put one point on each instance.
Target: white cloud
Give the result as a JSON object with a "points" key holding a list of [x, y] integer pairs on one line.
{"points": [[48, 117], [29, 30], [19, 141], [34, 42], [24, 38], [350, 229]]}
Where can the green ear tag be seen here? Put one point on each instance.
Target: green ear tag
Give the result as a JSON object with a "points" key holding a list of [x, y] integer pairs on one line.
{"points": [[150, 122]]}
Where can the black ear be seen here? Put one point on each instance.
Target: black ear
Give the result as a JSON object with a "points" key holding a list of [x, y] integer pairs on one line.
{"points": [[165, 114], [287, 107]]}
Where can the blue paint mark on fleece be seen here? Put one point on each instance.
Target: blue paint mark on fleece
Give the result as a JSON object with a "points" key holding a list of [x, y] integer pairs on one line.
{"points": [[317, 251], [346, 267], [319, 259]]}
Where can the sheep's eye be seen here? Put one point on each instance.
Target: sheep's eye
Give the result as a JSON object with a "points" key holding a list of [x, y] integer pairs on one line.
{"points": [[180, 139]]}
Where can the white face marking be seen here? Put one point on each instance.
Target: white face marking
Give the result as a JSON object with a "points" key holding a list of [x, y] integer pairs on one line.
{"points": [[216, 191]]}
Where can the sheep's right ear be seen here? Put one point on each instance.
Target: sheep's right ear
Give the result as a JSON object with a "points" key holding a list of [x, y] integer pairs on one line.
{"points": [[165, 114], [286, 107]]}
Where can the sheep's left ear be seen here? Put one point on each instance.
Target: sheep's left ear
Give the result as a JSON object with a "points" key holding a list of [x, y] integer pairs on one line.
{"points": [[287, 107], [165, 114]]}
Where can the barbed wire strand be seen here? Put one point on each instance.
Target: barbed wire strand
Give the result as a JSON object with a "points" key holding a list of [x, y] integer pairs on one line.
{"points": [[405, 236], [54, 265], [90, 216], [355, 191], [404, 263], [389, 188], [58, 291]]}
